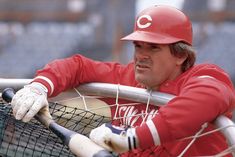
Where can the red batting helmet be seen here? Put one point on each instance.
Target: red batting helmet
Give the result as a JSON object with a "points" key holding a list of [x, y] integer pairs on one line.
{"points": [[161, 25]]}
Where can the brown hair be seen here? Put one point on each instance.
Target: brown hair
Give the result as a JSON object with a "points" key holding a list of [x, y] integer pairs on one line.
{"points": [[181, 49]]}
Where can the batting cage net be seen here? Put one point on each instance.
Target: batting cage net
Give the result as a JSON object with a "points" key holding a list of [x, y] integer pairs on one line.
{"points": [[19, 139]]}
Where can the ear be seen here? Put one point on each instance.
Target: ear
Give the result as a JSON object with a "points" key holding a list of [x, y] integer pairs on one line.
{"points": [[180, 60]]}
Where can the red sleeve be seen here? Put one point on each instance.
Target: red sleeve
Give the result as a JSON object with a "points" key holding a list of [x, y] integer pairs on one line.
{"points": [[200, 100], [63, 74]]}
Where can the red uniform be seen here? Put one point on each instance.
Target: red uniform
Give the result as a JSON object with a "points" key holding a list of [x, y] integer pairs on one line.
{"points": [[203, 93]]}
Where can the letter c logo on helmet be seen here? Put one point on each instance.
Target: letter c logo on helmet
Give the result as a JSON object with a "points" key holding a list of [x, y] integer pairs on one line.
{"points": [[146, 24]]}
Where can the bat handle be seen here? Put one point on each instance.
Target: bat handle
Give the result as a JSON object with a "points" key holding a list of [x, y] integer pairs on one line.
{"points": [[7, 94]]}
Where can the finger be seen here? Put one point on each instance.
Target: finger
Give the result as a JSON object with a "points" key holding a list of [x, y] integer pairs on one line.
{"points": [[16, 98], [105, 143], [105, 146], [101, 137], [35, 108], [24, 105], [16, 103]]}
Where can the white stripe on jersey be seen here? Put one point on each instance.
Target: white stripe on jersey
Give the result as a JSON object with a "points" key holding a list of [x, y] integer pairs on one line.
{"points": [[48, 81], [206, 76], [154, 132]]}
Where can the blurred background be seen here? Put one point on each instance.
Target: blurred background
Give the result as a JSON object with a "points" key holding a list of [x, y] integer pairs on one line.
{"points": [[34, 32]]}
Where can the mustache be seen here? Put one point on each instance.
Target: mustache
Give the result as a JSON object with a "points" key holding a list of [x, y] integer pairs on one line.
{"points": [[143, 62]]}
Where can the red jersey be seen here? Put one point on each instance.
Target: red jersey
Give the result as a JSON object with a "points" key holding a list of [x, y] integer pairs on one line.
{"points": [[202, 93]]}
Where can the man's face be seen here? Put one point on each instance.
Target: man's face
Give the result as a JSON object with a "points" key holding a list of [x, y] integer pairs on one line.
{"points": [[154, 64]]}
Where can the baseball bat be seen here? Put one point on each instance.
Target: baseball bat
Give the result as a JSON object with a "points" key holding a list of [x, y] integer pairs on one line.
{"points": [[79, 144]]}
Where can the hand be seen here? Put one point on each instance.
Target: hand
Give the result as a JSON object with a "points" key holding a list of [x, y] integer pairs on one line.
{"points": [[28, 101], [114, 138]]}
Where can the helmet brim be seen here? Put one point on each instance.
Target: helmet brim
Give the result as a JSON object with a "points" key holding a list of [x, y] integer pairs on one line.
{"points": [[151, 38]]}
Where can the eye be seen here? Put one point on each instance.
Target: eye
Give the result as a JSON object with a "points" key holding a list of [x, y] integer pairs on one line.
{"points": [[136, 45], [155, 48]]}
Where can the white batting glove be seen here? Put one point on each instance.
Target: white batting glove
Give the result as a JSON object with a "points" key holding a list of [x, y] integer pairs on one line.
{"points": [[28, 101], [114, 138]]}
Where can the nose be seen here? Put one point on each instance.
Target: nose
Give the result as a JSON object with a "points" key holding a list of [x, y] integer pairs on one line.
{"points": [[141, 55]]}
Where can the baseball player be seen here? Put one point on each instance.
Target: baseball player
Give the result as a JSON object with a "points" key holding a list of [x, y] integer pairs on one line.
{"points": [[163, 61]]}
